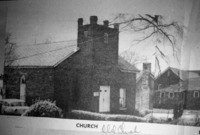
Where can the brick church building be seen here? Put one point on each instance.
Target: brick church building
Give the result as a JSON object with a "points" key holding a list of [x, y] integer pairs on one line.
{"points": [[87, 76]]}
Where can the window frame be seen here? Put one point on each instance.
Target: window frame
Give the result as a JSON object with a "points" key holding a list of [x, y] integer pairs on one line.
{"points": [[169, 95], [162, 93], [194, 94], [122, 99]]}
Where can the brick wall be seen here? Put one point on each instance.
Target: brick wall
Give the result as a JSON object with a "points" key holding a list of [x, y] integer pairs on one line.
{"points": [[165, 102], [94, 65], [167, 79], [191, 102], [144, 93], [39, 83], [98, 64], [73, 82]]}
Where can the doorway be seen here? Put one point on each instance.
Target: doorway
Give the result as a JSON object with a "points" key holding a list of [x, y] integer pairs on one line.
{"points": [[104, 99]]}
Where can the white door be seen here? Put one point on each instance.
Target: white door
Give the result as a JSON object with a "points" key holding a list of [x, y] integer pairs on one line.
{"points": [[104, 99]]}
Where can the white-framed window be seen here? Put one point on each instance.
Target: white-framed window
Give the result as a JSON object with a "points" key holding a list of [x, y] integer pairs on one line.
{"points": [[122, 98], [171, 95], [196, 94], [106, 38]]}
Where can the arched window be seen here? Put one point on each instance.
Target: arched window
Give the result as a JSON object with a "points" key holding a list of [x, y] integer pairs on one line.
{"points": [[22, 79]]}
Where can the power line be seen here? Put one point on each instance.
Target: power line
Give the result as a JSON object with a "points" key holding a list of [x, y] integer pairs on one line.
{"points": [[30, 45], [41, 53], [61, 48], [39, 44]]}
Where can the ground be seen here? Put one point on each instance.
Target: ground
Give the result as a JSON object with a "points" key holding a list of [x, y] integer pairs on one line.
{"points": [[15, 125], [189, 117]]}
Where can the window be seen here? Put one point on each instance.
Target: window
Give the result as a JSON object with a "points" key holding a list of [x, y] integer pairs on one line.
{"points": [[85, 34], [196, 94], [22, 87], [106, 38], [171, 95], [122, 98], [22, 80], [162, 94]]}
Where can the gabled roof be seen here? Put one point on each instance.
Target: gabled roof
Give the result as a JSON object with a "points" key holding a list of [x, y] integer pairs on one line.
{"points": [[125, 66], [139, 76], [174, 70], [43, 55], [50, 55], [182, 74]]}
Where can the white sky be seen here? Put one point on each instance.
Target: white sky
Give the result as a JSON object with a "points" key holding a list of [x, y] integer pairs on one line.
{"points": [[34, 21]]}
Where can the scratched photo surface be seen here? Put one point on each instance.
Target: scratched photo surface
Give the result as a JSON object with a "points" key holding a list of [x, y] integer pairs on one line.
{"points": [[112, 60]]}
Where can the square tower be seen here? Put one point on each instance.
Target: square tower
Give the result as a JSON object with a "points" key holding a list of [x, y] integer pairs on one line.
{"points": [[98, 43]]}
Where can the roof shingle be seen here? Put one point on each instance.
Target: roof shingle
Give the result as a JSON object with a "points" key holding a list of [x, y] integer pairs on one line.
{"points": [[47, 55], [43, 54]]}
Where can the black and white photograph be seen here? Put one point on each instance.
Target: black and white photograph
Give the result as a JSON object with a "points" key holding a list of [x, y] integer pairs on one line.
{"points": [[100, 66]]}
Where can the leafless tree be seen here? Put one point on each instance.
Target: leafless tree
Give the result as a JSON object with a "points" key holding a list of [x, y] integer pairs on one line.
{"points": [[154, 27], [9, 51], [132, 57]]}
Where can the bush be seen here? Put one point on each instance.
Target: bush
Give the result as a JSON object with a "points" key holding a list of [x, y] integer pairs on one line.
{"points": [[44, 108], [86, 115]]}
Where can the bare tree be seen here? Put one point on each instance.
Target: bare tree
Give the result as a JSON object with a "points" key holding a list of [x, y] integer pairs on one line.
{"points": [[132, 57], [154, 27], [161, 31], [9, 51]]}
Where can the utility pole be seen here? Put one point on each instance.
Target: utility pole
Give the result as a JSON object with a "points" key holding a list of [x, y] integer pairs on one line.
{"points": [[3, 17]]}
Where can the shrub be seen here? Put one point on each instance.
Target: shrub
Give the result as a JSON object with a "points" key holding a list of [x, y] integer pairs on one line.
{"points": [[44, 108], [86, 115]]}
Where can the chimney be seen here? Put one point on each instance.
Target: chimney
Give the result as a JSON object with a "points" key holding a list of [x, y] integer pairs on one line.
{"points": [[106, 23], [116, 26], [80, 22], [147, 67], [93, 20]]}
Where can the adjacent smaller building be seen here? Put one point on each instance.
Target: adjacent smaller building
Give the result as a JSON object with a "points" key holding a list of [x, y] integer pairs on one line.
{"points": [[144, 90], [177, 87]]}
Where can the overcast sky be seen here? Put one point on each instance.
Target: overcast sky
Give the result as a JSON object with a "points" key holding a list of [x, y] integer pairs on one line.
{"points": [[35, 21]]}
